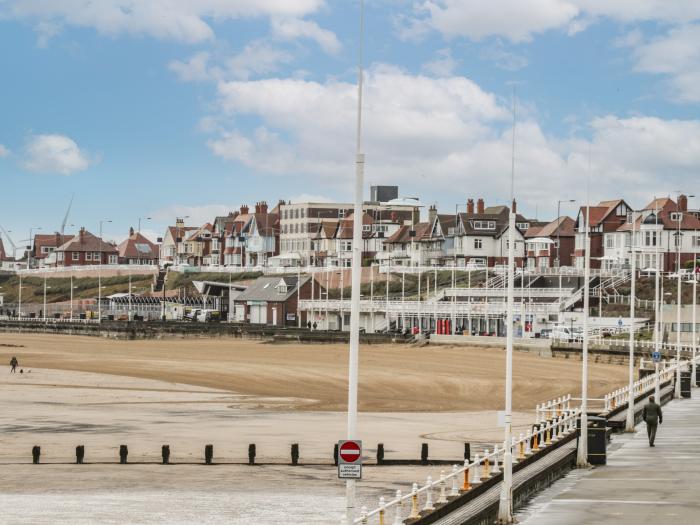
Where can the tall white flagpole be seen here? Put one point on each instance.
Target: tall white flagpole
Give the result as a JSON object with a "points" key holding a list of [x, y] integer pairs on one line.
{"points": [[629, 424], [505, 508], [582, 452], [353, 363]]}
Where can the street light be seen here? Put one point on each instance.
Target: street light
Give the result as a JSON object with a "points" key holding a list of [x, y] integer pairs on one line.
{"points": [[99, 276], [142, 219], [679, 242], [629, 425]]}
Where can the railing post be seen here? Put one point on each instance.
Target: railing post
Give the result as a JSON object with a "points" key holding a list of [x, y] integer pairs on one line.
{"points": [[443, 488], [486, 469], [398, 520], [455, 486], [415, 513], [382, 510], [476, 476], [494, 466], [429, 495]]}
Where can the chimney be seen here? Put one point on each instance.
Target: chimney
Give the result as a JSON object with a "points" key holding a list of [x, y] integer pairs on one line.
{"points": [[257, 207], [179, 223], [131, 231], [432, 213], [682, 203], [82, 234], [263, 207], [244, 209], [470, 206], [480, 206], [58, 239], [514, 207]]}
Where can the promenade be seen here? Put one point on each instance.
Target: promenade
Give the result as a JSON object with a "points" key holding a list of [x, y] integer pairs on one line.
{"points": [[640, 485]]}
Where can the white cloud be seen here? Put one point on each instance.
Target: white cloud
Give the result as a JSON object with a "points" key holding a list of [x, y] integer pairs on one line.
{"points": [[444, 135], [54, 154], [182, 20], [4, 152], [519, 21], [257, 58], [443, 65], [196, 69], [676, 54], [295, 28]]}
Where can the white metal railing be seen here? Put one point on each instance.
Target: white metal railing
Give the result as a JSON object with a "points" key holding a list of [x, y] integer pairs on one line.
{"points": [[420, 500], [87, 268], [444, 308], [554, 293]]}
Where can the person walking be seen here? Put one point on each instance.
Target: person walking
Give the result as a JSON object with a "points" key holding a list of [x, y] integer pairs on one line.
{"points": [[13, 365], [652, 417]]}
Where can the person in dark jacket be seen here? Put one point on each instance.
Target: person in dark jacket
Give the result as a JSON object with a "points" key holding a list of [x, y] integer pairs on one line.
{"points": [[652, 417], [13, 364]]}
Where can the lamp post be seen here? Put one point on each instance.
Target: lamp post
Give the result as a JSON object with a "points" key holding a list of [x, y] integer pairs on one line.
{"points": [[679, 244], [354, 350], [142, 219], [505, 508], [99, 276], [582, 451], [629, 424], [45, 287], [657, 303]]}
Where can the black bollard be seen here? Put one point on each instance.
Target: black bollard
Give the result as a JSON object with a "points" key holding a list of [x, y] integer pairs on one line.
{"points": [[335, 454], [380, 453], [123, 453], [424, 453], [36, 454], [251, 454], [165, 453], [295, 453], [79, 454], [467, 452], [208, 454]]}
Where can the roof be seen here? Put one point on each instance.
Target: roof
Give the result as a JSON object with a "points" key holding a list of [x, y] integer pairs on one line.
{"points": [[52, 240], [137, 246], [176, 232], [422, 230], [267, 224], [660, 203], [268, 288], [562, 227], [87, 242], [197, 232]]}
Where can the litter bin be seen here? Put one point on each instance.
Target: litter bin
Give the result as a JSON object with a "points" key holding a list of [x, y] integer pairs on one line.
{"points": [[685, 384], [597, 439]]}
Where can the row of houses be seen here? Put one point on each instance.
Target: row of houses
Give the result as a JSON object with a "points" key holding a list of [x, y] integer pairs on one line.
{"points": [[665, 231]]}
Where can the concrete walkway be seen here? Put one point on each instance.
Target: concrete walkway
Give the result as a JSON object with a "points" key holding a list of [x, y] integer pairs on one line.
{"points": [[639, 485]]}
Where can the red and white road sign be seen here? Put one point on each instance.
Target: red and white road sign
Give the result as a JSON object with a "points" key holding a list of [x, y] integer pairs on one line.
{"points": [[350, 459], [350, 451]]}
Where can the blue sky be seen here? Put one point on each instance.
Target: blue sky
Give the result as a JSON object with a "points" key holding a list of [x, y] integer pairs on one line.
{"points": [[169, 107]]}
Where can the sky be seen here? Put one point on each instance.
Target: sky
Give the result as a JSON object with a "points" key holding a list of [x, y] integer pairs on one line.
{"points": [[175, 108]]}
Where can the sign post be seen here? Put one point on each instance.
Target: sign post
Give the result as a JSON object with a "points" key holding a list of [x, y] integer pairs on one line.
{"points": [[350, 459]]}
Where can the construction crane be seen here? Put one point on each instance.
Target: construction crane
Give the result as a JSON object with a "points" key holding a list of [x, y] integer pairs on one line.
{"points": [[14, 246], [65, 218]]}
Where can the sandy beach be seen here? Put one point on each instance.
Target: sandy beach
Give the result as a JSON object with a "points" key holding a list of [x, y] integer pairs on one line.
{"points": [[187, 393]]}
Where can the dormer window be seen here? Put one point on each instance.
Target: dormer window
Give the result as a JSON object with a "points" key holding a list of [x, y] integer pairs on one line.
{"points": [[484, 225], [676, 216], [282, 287], [522, 225]]}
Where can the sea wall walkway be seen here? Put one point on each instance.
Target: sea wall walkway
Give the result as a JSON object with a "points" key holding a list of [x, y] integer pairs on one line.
{"points": [[639, 485]]}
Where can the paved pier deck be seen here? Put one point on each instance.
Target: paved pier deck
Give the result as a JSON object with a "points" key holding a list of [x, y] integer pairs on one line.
{"points": [[640, 485]]}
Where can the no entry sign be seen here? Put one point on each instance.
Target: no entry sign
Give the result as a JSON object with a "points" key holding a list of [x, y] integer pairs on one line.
{"points": [[350, 459]]}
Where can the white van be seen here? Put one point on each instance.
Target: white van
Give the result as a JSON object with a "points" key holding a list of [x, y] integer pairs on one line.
{"points": [[565, 333]]}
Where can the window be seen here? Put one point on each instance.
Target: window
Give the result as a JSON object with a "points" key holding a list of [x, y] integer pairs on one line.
{"points": [[303, 213], [88, 256], [44, 249], [345, 246], [609, 241], [75, 256], [477, 244], [649, 238], [296, 213], [523, 225], [678, 240], [284, 214], [621, 210], [696, 241], [484, 225], [676, 216], [112, 259], [341, 214], [366, 227]]}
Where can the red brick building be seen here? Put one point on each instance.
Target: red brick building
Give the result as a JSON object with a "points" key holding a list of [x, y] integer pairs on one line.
{"points": [[137, 249], [86, 249]]}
